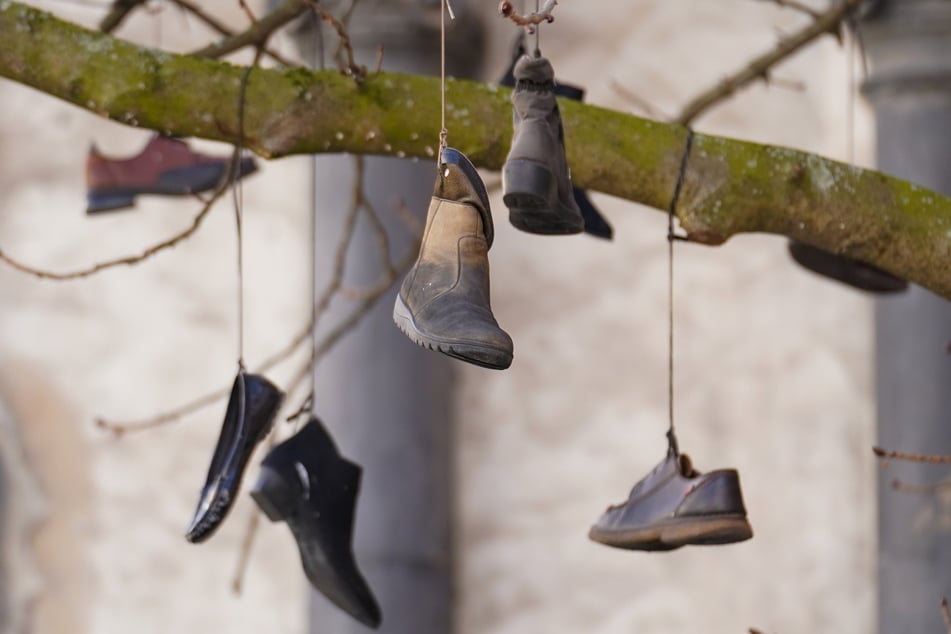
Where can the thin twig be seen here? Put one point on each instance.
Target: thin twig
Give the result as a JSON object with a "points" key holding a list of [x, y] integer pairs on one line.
{"points": [[244, 551], [798, 6], [638, 101], [117, 13], [530, 20], [344, 56], [920, 489], [215, 25], [258, 33], [911, 457], [322, 347], [828, 22], [129, 260], [946, 614]]}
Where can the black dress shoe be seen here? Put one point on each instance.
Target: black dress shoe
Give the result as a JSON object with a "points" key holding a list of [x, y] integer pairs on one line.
{"points": [[594, 223], [674, 506], [306, 483], [864, 277], [252, 406]]}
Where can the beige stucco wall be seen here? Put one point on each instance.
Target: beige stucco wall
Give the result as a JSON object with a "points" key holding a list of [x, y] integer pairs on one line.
{"points": [[774, 372]]}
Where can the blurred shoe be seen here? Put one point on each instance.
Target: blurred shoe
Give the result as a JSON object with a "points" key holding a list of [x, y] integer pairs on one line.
{"points": [[306, 483], [594, 223], [856, 274], [443, 303], [674, 506], [251, 410], [166, 166], [536, 183]]}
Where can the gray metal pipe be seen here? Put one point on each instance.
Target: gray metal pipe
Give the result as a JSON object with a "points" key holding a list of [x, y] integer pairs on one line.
{"points": [[387, 401], [909, 42]]}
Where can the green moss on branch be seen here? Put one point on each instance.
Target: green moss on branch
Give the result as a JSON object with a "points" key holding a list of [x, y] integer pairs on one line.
{"points": [[729, 187]]}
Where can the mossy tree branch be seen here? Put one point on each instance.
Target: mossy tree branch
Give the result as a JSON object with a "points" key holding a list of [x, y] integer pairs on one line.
{"points": [[729, 187]]}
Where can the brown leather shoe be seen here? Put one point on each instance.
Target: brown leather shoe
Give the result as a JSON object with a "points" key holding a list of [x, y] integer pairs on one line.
{"points": [[675, 505], [443, 303], [864, 277], [166, 166], [536, 183]]}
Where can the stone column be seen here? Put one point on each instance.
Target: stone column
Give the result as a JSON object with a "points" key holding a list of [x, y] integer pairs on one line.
{"points": [[386, 400], [909, 42]]}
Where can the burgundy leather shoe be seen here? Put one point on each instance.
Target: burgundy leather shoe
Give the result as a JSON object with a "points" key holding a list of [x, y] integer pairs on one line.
{"points": [[675, 505], [166, 167]]}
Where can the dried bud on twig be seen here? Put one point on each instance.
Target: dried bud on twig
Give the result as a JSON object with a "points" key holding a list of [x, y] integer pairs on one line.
{"points": [[529, 21]]}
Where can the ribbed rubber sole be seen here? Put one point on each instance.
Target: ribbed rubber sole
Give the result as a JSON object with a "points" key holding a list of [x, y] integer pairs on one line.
{"points": [[697, 531], [477, 354]]}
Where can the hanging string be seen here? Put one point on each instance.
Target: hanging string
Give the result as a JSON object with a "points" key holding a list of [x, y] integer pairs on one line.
{"points": [[238, 197], [538, 36], [443, 132], [671, 238]]}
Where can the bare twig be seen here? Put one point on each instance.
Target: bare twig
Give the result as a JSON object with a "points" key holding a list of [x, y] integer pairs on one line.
{"points": [[920, 489], [531, 20], [129, 260], [320, 307], [638, 101], [946, 614], [258, 33], [789, 84], [344, 53], [798, 6], [215, 25], [828, 22], [117, 13], [911, 457], [244, 551]]}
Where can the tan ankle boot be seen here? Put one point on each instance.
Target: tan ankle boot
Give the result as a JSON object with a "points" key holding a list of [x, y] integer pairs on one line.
{"points": [[443, 303], [535, 178]]}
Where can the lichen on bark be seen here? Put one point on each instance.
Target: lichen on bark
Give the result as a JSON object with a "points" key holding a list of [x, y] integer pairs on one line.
{"points": [[729, 186]]}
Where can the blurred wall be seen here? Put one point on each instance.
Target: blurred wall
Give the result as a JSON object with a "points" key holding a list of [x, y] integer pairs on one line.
{"points": [[774, 370]]}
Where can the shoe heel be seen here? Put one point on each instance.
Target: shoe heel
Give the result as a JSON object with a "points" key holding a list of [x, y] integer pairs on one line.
{"points": [[98, 202], [527, 184], [273, 495]]}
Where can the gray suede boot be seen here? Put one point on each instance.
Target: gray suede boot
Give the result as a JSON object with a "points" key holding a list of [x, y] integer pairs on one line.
{"points": [[443, 303], [535, 178]]}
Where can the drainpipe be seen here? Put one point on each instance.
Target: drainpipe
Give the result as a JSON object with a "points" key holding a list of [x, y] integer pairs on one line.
{"points": [[909, 43], [387, 401]]}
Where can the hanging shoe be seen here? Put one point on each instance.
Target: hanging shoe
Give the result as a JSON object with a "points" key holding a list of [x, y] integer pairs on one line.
{"points": [[536, 182], [594, 223], [675, 506], [166, 166], [253, 404], [443, 303], [864, 277], [306, 483]]}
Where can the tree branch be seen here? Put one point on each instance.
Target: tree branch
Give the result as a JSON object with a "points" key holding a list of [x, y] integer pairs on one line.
{"points": [[259, 31], [729, 187], [759, 68], [214, 24]]}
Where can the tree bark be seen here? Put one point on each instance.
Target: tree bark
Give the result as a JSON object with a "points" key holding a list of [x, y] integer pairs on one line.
{"points": [[729, 186]]}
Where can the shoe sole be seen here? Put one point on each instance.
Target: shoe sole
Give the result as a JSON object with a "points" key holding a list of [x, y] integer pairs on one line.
{"points": [[529, 188], [477, 354], [697, 531]]}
